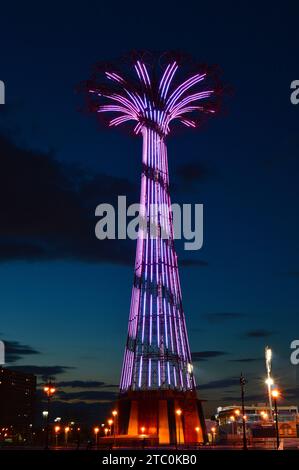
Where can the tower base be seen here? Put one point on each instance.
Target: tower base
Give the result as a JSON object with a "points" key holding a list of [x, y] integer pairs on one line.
{"points": [[152, 414]]}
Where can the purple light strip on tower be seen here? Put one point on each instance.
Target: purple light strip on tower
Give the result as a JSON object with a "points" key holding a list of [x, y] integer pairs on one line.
{"points": [[182, 89], [159, 374], [140, 371], [149, 372], [168, 80], [171, 262], [151, 319]]}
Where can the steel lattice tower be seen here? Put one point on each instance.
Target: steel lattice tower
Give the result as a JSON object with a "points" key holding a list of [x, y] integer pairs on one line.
{"points": [[157, 355]]}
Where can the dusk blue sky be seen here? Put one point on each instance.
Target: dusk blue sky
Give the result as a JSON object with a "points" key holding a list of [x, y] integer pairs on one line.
{"points": [[65, 297]]}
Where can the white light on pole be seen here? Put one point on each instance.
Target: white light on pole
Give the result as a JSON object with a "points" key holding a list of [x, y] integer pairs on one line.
{"points": [[269, 381]]}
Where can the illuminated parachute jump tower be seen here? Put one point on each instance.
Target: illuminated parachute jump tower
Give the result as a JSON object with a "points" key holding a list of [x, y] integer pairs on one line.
{"points": [[157, 387]]}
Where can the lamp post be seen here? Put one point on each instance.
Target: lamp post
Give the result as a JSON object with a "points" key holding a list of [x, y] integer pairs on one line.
{"points": [[213, 429], [56, 429], [78, 437], [96, 432], [49, 390], [115, 430], [45, 415], [275, 395], [66, 435], [269, 381], [110, 422], [179, 413], [197, 430], [242, 384]]}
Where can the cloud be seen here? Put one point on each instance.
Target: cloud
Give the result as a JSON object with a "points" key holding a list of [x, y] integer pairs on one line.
{"points": [[258, 333], [57, 202], [88, 395], [219, 384], [204, 355], [43, 371], [222, 316], [14, 351], [85, 384]]}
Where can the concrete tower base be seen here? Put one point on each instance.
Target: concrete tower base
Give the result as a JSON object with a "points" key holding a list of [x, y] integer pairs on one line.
{"points": [[153, 414]]}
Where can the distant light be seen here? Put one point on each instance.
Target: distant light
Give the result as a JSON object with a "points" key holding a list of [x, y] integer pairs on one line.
{"points": [[96, 430], [114, 413], [45, 413], [178, 412], [66, 429], [269, 381], [275, 393]]}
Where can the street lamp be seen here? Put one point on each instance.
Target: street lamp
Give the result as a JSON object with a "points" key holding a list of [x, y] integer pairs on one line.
{"points": [[56, 429], [213, 429], [78, 437], [66, 433], [275, 395], [106, 431], [269, 381], [264, 415], [242, 384], [110, 422], [96, 432], [49, 391], [179, 413], [45, 416], [115, 414], [197, 430]]}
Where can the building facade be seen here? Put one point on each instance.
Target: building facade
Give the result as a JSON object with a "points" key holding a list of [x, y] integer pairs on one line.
{"points": [[17, 402], [258, 422]]}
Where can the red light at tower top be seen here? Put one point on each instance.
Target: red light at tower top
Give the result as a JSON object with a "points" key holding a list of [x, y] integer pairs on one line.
{"points": [[154, 96]]}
